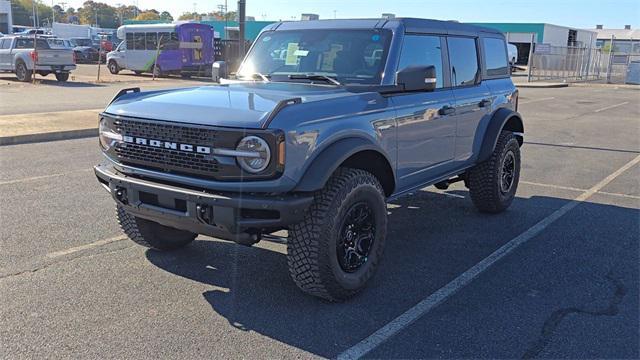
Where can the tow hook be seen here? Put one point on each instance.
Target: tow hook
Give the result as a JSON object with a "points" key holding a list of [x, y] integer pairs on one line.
{"points": [[204, 213], [121, 195]]}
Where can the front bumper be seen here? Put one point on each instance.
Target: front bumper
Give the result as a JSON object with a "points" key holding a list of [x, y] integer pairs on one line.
{"points": [[231, 216]]}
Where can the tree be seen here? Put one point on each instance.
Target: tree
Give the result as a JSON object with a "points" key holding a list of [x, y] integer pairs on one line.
{"points": [[190, 16], [148, 15], [165, 16]]}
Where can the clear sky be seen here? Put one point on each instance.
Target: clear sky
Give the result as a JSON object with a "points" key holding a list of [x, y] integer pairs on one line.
{"points": [[575, 13]]}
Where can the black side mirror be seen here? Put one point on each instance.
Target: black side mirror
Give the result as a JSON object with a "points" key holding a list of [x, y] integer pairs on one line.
{"points": [[417, 78], [219, 70]]}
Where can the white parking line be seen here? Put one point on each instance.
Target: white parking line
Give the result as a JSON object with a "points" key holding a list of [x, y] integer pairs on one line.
{"points": [[536, 100], [85, 247], [551, 186], [442, 294], [33, 178], [610, 107]]}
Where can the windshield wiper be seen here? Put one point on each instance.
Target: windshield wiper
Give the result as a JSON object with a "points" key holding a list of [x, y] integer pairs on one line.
{"points": [[326, 78]]}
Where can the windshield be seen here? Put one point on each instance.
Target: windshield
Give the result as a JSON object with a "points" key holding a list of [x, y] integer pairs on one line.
{"points": [[349, 56]]}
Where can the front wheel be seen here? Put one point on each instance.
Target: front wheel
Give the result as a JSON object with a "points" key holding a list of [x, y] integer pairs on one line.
{"points": [[151, 234], [62, 77], [493, 183], [336, 249], [113, 67]]}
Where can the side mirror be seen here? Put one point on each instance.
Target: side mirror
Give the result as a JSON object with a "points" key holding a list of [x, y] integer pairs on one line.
{"points": [[219, 70], [417, 78]]}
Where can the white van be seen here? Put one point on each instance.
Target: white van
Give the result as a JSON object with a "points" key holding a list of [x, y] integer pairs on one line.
{"points": [[163, 48]]}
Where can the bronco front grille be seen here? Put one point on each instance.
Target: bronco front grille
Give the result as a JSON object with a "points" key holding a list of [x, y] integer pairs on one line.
{"points": [[168, 160], [176, 161]]}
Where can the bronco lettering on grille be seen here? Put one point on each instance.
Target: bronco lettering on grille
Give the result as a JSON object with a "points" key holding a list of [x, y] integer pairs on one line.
{"points": [[167, 144]]}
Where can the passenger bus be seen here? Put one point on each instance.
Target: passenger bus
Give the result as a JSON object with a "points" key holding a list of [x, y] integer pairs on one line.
{"points": [[184, 49]]}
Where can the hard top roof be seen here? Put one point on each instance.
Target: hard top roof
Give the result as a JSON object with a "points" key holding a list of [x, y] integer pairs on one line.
{"points": [[413, 25]]}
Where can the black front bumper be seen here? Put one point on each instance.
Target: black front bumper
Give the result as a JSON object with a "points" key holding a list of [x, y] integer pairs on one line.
{"points": [[232, 216]]}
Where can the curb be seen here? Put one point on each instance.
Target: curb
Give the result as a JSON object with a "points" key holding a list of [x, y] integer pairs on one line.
{"points": [[543, 86], [49, 136]]}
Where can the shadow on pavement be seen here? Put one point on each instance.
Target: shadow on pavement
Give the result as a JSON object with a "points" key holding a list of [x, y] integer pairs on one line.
{"points": [[54, 82], [432, 239]]}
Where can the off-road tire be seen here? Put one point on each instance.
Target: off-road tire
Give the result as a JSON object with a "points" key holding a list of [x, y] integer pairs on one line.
{"points": [[151, 234], [113, 67], [62, 77], [484, 179], [312, 245], [22, 73]]}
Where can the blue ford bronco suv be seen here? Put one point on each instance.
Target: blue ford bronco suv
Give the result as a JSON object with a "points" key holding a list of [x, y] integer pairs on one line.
{"points": [[324, 122]]}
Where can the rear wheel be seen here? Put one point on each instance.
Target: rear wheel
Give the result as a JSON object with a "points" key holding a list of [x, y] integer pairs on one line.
{"points": [[62, 77], [493, 183], [113, 67], [22, 73], [151, 234], [336, 249]]}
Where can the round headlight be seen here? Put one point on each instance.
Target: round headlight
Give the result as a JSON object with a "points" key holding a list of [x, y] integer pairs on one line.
{"points": [[255, 155], [106, 135]]}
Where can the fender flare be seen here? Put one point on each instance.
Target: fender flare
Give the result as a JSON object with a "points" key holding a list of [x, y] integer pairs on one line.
{"points": [[329, 159], [501, 118]]}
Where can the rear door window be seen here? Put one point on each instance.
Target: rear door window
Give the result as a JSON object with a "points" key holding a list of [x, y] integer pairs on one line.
{"points": [[495, 56], [138, 41], [422, 50], [463, 60]]}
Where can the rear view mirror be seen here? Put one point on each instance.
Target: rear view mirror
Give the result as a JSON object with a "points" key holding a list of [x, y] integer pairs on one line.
{"points": [[417, 78]]}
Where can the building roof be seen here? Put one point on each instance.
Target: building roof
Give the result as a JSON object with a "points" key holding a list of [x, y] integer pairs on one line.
{"points": [[619, 34]]}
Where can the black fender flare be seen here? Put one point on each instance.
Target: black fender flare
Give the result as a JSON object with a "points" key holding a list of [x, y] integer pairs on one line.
{"points": [[502, 119], [329, 159]]}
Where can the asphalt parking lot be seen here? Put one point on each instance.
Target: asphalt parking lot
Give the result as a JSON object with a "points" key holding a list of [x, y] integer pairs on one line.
{"points": [[556, 276]]}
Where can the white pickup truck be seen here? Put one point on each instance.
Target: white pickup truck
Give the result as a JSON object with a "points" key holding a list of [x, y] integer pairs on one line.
{"points": [[18, 55]]}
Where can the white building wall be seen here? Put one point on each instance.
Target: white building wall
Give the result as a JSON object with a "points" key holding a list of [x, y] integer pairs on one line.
{"points": [[558, 35], [5, 8]]}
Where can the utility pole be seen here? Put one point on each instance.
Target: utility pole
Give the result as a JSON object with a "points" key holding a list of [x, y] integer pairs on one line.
{"points": [[33, 10], [335, 14], [241, 24]]}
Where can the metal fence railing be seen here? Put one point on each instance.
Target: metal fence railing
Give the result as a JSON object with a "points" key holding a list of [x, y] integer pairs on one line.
{"points": [[615, 62], [565, 64]]}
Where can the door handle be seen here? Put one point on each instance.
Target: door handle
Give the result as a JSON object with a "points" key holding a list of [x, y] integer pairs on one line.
{"points": [[484, 103], [446, 110]]}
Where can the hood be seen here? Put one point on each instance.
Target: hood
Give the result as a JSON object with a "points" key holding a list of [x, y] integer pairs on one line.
{"points": [[246, 105]]}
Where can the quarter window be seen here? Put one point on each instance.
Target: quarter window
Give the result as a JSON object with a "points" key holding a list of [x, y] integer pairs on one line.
{"points": [[463, 57], [495, 57], [422, 51], [152, 41]]}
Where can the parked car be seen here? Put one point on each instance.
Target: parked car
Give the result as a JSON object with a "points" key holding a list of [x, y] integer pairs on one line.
{"points": [[84, 49], [326, 122], [18, 55]]}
